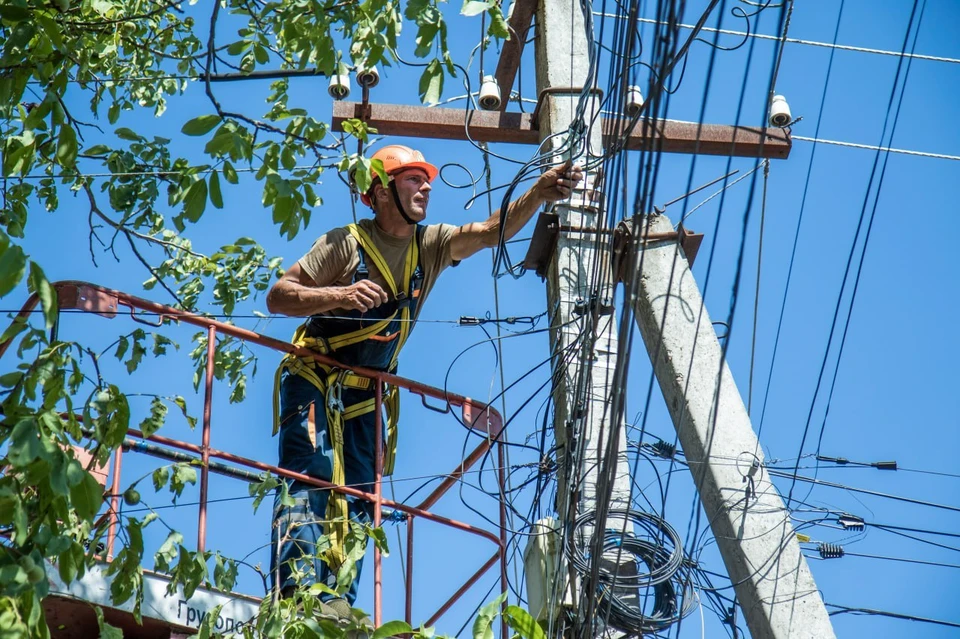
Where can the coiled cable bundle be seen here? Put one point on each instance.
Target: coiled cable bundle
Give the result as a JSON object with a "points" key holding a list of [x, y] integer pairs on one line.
{"points": [[664, 588]]}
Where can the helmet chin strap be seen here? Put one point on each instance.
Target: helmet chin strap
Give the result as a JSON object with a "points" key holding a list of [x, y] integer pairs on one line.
{"points": [[396, 200]]}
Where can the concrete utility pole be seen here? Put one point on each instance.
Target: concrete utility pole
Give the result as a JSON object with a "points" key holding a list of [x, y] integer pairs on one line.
{"points": [[748, 518], [576, 266]]}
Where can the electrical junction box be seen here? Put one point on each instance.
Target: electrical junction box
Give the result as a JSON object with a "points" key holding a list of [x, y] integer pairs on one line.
{"points": [[547, 578]]}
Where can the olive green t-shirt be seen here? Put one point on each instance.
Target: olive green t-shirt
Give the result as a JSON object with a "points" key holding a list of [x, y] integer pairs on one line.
{"points": [[334, 257]]}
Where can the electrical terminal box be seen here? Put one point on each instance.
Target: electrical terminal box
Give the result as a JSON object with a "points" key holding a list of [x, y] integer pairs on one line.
{"points": [[546, 575]]}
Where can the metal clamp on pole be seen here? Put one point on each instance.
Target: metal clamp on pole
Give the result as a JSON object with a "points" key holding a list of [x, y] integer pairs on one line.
{"points": [[535, 118], [624, 242]]}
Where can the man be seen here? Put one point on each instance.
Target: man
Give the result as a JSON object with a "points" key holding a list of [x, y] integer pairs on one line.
{"points": [[362, 287]]}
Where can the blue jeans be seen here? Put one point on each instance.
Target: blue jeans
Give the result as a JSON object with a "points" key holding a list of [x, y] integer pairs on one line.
{"points": [[297, 530]]}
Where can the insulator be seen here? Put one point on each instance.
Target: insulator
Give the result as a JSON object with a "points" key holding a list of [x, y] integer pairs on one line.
{"points": [[780, 111], [830, 551], [665, 450], [368, 78], [339, 86], [489, 94]]}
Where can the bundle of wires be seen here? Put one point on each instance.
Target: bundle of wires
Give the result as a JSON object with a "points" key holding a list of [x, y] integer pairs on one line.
{"points": [[664, 587]]}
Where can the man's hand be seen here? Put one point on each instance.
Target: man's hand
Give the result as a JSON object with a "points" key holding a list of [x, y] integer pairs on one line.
{"points": [[362, 296], [558, 182]]}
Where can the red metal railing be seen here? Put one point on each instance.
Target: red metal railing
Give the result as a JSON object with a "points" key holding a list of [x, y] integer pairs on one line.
{"points": [[477, 415]]}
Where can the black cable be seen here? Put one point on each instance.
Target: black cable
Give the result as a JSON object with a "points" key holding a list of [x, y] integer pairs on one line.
{"points": [[863, 214], [884, 613]]}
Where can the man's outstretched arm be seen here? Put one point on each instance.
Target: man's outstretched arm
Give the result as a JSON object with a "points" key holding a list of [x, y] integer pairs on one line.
{"points": [[555, 184], [297, 295]]}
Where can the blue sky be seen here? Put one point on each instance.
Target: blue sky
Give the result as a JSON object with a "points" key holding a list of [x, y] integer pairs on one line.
{"points": [[895, 385]]}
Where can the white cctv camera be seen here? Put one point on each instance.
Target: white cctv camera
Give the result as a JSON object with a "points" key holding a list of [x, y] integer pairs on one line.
{"points": [[339, 86], [489, 93], [368, 78], [634, 101], [780, 112]]}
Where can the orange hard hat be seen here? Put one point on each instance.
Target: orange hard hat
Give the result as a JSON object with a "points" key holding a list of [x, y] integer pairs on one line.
{"points": [[397, 158]]}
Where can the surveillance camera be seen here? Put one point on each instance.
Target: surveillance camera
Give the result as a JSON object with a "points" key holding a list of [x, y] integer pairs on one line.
{"points": [[368, 78], [634, 101], [489, 93], [780, 112], [339, 86]]}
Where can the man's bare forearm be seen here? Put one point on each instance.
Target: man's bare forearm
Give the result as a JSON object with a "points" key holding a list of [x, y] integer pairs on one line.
{"points": [[519, 213], [297, 300], [486, 234]]}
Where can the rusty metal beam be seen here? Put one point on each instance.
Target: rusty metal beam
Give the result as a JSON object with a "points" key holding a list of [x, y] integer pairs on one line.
{"points": [[519, 128], [521, 17], [445, 124]]}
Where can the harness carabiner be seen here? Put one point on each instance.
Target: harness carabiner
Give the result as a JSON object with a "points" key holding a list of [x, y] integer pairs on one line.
{"points": [[335, 394]]}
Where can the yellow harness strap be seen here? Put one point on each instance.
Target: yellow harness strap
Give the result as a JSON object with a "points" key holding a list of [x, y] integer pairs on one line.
{"points": [[330, 382]]}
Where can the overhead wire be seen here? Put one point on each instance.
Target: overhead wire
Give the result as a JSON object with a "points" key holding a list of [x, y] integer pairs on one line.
{"points": [[862, 217]]}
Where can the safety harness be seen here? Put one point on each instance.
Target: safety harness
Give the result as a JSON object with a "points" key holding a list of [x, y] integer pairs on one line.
{"points": [[349, 340]]}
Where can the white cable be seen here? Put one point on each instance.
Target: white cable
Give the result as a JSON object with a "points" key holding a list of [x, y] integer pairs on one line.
{"points": [[703, 622], [870, 147], [742, 177], [812, 43]]}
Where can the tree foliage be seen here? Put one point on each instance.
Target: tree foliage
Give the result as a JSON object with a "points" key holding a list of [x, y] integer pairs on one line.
{"points": [[73, 73]]}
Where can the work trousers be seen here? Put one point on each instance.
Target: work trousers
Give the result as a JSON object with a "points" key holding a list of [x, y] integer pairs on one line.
{"points": [[297, 530]]}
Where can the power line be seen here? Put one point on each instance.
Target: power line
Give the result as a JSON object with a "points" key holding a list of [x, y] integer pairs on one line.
{"points": [[884, 613], [812, 43], [865, 491], [869, 219], [871, 147]]}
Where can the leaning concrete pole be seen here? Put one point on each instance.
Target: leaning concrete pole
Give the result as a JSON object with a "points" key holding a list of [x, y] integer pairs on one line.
{"points": [[746, 513], [577, 265]]}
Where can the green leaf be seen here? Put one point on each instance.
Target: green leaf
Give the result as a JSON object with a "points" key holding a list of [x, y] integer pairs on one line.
{"points": [[160, 477], [183, 474], [474, 7], [376, 167], [128, 134], [230, 173], [67, 146], [216, 197], [168, 551], [392, 629], [70, 562], [431, 82], [154, 421], [201, 125], [182, 405], [47, 294], [379, 536], [498, 24], [122, 345], [195, 202], [16, 327], [523, 622], [106, 630], [86, 496], [13, 264], [483, 625], [15, 14], [259, 490]]}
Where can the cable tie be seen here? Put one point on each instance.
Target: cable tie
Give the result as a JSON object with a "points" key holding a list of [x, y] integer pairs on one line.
{"points": [[395, 516]]}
